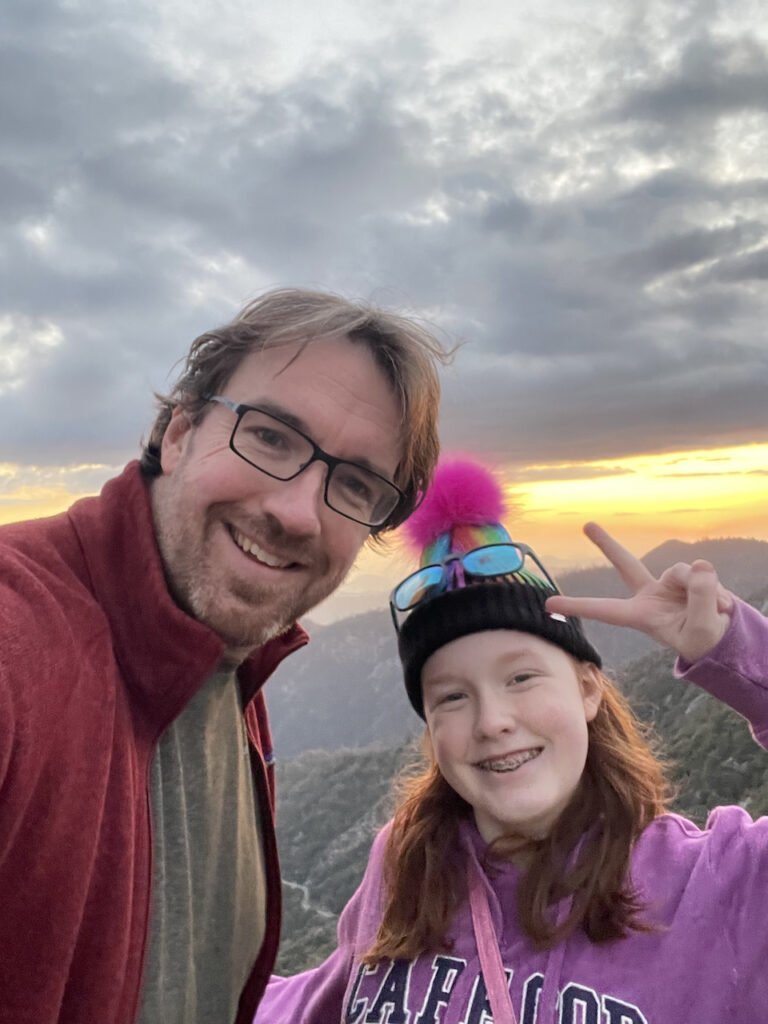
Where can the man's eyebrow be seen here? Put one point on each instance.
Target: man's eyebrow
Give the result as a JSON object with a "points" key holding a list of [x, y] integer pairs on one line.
{"points": [[274, 409], [282, 414]]}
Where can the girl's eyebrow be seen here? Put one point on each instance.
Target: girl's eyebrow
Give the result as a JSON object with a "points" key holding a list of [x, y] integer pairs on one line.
{"points": [[449, 678], [513, 657], [445, 680]]}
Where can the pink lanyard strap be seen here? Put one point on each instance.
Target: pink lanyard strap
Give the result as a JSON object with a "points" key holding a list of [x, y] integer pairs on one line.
{"points": [[488, 949]]}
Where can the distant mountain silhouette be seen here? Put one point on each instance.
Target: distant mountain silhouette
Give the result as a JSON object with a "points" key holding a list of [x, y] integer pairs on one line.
{"points": [[345, 689]]}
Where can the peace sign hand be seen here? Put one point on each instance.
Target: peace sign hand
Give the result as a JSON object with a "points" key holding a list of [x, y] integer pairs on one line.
{"points": [[686, 608]]}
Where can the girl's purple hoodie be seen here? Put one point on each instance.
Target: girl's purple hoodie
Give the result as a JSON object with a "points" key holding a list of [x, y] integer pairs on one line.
{"points": [[707, 889]]}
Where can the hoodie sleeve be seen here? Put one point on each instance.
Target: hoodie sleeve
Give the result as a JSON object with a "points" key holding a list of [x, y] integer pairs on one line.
{"points": [[313, 997], [735, 671], [317, 996], [737, 866]]}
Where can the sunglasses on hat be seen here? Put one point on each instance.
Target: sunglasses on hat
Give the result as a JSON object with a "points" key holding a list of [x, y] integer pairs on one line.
{"points": [[452, 571]]}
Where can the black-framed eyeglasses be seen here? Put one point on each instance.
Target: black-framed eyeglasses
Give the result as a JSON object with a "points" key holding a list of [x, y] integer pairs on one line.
{"points": [[278, 449], [450, 574]]}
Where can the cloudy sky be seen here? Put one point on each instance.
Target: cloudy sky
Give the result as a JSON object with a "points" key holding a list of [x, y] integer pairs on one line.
{"points": [[576, 189]]}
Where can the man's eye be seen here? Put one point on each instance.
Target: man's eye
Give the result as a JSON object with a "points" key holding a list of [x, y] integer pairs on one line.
{"points": [[269, 438], [355, 488]]}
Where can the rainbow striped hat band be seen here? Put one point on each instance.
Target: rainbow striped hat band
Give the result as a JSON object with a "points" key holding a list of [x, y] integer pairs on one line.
{"points": [[466, 537]]}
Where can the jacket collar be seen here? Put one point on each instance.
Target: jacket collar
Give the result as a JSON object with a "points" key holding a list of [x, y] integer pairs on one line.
{"points": [[164, 655]]}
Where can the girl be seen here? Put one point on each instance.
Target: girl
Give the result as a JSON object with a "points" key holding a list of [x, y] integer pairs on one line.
{"points": [[531, 872]]}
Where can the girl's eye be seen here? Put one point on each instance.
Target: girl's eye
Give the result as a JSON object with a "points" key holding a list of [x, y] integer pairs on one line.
{"points": [[450, 698], [522, 677]]}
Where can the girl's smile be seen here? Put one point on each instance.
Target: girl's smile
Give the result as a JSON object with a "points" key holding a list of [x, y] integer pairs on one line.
{"points": [[507, 714]]}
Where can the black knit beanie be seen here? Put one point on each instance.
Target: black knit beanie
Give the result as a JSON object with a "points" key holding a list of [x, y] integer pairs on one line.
{"points": [[494, 604], [455, 517]]}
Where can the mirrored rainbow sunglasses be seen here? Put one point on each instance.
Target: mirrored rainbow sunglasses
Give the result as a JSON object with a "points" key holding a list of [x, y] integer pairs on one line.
{"points": [[452, 565]]}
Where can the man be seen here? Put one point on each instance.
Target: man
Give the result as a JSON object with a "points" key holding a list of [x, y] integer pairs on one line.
{"points": [[138, 871]]}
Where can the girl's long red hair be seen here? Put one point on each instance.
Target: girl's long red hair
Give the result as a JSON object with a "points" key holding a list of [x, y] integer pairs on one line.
{"points": [[622, 789]]}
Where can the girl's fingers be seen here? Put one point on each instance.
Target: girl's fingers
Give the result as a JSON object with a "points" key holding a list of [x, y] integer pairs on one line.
{"points": [[725, 600], [702, 585], [631, 569], [676, 577], [705, 624], [612, 610]]}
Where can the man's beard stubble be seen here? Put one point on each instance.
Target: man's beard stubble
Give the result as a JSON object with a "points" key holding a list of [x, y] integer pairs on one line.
{"points": [[249, 616]]}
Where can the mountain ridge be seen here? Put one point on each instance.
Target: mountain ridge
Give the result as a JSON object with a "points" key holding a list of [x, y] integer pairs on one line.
{"points": [[345, 688]]}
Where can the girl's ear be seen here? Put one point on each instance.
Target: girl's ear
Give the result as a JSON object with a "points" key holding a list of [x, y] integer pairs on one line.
{"points": [[174, 439], [591, 684]]}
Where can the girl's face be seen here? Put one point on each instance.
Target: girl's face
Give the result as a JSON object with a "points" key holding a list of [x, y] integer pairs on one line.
{"points": [[507, 716]]}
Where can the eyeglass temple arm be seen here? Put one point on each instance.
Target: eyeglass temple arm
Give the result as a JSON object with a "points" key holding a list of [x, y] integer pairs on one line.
{"points": [[222, 401], [393, 613]]}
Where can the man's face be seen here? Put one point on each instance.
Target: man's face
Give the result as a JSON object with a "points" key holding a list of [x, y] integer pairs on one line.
{"points": [[244, 553]]}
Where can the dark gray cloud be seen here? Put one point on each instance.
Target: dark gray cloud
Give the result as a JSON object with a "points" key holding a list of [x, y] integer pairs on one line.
{"points": [[679, 252], [752, 266], [709, 78], [590, 215]]}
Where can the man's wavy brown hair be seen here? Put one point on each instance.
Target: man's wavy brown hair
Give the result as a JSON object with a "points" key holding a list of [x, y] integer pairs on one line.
{"points": [[405, 350], [585, 857]]}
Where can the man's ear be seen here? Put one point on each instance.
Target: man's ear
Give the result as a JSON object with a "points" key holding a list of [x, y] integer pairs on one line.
{"points": [[591, 683], [175, 439]]}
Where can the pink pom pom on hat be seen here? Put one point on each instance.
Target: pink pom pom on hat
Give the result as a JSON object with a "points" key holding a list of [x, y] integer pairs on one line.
{"points": [[460, 512]]}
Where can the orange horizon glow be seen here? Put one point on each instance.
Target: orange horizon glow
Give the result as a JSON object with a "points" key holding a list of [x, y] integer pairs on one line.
{"points": [[642, 500], [32, 492]]}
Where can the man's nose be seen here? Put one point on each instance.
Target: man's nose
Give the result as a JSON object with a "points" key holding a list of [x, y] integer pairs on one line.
{"points": [[297, 504]]}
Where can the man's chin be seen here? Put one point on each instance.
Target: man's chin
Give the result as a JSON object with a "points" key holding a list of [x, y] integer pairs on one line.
{"points": [[245, 637], [245, 621]]}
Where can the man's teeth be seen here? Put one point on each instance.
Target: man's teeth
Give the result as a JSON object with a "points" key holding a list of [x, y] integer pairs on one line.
{"points": [[251, 548], [509, 764]]}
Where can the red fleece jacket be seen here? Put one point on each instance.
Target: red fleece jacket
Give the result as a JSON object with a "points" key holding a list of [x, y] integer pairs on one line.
{"points": [[95, 661]]}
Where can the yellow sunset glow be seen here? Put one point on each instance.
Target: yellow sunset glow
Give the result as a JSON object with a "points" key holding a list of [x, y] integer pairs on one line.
{"points": [[643, 500], [33, 492]]}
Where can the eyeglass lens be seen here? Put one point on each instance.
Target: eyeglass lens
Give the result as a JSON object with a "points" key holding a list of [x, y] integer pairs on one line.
{"points": [[281, 451], [492, 560], [413, 590]]}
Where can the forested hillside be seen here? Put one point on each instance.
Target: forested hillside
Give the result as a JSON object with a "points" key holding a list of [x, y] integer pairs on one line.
{"points": [[331, 803], [330, 807], [345, 690]]}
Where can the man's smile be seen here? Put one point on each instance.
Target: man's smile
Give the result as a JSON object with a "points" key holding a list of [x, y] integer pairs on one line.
{"points": [[250, 547]]}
